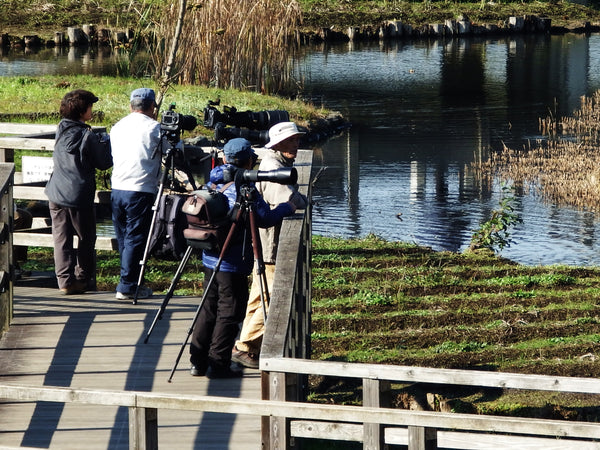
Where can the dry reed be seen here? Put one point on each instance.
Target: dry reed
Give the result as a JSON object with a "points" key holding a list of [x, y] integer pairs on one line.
{"points": [[565, 168], [239, 44]]}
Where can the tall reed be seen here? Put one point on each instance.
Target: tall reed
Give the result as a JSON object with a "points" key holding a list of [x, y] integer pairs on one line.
{"points": [[239, 44], [564, 168]]}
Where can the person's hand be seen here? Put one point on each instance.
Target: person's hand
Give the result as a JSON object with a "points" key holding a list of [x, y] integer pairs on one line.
{"points": [[293, 205], [298, 200]]}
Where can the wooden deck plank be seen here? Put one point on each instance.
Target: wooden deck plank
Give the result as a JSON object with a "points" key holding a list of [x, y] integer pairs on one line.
{"points": [[95, 341]]}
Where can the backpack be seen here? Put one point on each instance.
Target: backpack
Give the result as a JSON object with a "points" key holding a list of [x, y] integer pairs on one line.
{"points": [[208, 218], [167, 240]]}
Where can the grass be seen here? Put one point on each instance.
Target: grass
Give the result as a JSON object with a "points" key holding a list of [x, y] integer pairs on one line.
{"points": [[372, 12], [23, 96], [316, 13], [450, 310]]}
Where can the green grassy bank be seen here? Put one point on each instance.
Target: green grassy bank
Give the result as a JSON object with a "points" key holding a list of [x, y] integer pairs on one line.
{"points": [[37, 99], [395, 303], [42, 15]]}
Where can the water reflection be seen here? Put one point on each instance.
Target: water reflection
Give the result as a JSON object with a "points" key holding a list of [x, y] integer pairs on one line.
{"points": [[58, 61], [423, 111]]}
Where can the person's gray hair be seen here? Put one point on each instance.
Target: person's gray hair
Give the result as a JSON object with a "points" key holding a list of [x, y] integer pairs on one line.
{"points": [[139, 104]]}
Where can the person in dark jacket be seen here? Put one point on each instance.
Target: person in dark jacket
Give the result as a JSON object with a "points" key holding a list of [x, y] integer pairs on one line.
{"points": [[78, 152], [217, 326]]}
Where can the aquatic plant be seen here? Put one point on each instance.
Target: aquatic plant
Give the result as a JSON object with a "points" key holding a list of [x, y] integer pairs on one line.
{"points": [[232, 44], [494, 233], [564, 168]]}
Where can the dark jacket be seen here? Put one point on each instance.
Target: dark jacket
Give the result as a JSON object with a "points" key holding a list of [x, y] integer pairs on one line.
{"points": [[239, 258], [78, 152]]}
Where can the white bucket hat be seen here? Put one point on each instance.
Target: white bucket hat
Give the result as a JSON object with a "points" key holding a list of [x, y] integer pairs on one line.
{"points": [[281, 131]]}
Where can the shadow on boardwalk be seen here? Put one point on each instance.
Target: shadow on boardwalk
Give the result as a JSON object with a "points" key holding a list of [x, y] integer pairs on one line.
{"points": [[94, 341]]}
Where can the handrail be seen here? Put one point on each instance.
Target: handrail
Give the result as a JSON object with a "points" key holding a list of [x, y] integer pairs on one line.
{"points": [[144, 405], [288, 327], [413, 374]]}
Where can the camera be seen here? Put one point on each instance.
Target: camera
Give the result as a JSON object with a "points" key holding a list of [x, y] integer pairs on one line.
{"points": [[286, 175], [173, 122], [261, 120], [223, 134]]}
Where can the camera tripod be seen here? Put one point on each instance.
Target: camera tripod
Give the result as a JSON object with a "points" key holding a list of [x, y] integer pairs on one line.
{"points": [[169, 164], [244, 213]]}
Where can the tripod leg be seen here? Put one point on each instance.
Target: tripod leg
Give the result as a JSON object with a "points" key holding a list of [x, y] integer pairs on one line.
{"points": [[155, 208], [260, 265], [191, 329], [169, 294], [264, 294]]}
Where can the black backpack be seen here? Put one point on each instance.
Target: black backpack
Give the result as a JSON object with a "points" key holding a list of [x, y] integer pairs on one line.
{"points": [[208, 218], [167, 239]]}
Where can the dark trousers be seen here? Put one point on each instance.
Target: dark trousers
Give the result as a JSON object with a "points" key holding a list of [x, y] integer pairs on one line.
{"points": [[73, 264], [219, 319], [132, 216]]}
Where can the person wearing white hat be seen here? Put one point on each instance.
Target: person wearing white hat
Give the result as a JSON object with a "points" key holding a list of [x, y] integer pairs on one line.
{"points": [[284, 141]]}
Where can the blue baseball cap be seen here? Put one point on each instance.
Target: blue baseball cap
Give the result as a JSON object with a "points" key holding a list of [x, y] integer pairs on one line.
{"points": [[143, 94], [238, 150]]}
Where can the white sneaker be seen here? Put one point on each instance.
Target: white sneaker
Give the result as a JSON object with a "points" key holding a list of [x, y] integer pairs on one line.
{"points": [[143, 292]]}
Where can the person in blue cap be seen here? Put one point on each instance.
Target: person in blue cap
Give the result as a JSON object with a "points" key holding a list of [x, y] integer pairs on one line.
{"points": [[135, 180], [217, 326]]}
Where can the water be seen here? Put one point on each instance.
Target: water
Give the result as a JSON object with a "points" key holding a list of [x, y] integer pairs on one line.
{"points": [[422, 112]]}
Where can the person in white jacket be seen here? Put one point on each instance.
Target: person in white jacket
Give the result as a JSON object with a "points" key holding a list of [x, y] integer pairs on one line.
{"points": [[284, 140], [137, 146]]}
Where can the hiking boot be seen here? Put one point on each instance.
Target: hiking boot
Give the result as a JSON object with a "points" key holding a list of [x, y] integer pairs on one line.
{"points": [[245, 359], [77, 287], [143, 292]]}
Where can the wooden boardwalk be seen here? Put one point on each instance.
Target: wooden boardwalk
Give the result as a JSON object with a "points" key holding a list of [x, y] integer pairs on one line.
{"points": [[94, 341]]}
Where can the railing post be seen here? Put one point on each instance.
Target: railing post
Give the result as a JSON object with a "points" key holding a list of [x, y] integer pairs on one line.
{"points": [[7, 155], [143, 428], [376, 395], [278, 433], [422, 438], [287, 332], [6, 253]]}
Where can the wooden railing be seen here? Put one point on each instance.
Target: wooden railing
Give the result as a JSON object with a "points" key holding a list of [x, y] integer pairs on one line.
{"points": [[418, 429], [40, 138], [6, 248]]}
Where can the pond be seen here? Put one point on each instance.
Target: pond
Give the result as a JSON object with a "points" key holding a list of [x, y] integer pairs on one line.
{"points": [[422, 112]]}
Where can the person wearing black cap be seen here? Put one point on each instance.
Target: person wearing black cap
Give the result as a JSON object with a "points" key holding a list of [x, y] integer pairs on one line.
{"points": [[78, 152], [216, 328], [137, 152]]}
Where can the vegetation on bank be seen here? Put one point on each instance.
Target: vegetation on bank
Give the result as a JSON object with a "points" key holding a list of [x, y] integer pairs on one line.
{"points": [[38, 14], [36, 100], [340, 14], [395, 303]]}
